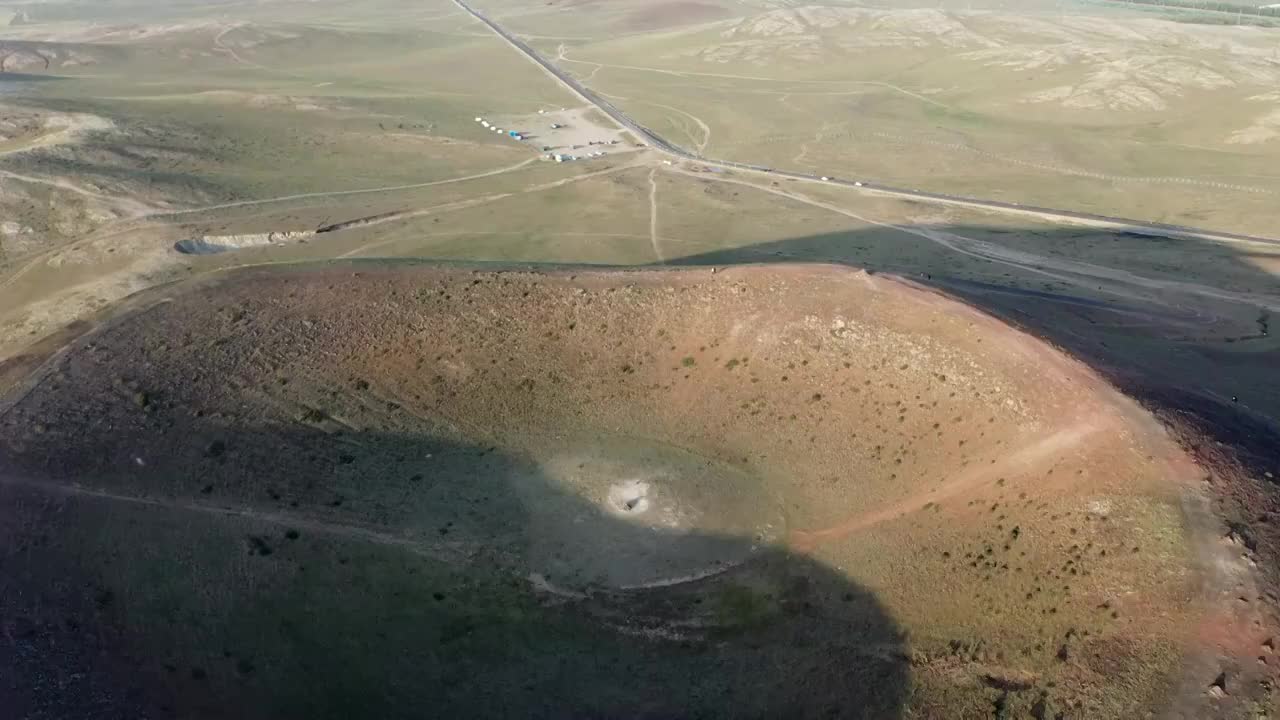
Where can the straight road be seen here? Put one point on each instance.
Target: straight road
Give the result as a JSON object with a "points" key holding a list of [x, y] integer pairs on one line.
{"points": [[667, 147]]}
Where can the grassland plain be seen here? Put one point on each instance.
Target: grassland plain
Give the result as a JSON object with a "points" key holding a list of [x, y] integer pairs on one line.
{"points": [[195, 111], [178, 110], [258, 132], [1120, 114]]}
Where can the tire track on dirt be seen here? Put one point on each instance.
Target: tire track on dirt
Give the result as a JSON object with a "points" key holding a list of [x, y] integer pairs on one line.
{"points": [[653, 217], [702, 126], [113, 231], [133, 208], [342, 193], [1028, 262], [453, 553], [219, 46], [800, 158], [463, 204], [1022, 459]]}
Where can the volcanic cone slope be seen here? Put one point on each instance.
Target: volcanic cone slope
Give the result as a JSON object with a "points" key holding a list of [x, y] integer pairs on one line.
{"points": [[412, 490]]}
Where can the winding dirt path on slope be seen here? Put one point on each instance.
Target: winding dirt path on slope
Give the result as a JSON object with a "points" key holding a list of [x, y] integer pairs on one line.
{"points": [[653, 216], [1026, 458], [132, 223], [463, 204], [133, 208], [219, 46], [447, 552], [73, 126], [343, 193], [700, 144]]}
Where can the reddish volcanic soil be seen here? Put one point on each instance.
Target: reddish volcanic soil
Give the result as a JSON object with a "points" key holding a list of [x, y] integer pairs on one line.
{"points": [[786, 490]]}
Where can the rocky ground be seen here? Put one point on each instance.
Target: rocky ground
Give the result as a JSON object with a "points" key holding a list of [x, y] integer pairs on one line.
{"points": [[371, 488]]}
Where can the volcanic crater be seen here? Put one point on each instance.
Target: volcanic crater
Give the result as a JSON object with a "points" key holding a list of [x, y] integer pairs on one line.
{"points": [[388, 488]]}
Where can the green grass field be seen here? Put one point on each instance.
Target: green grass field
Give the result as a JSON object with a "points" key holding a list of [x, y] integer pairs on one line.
{"points": [[1026, 107], [296, 109]]}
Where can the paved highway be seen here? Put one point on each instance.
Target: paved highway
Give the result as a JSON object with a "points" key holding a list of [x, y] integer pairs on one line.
{"points": [[658, 142]]}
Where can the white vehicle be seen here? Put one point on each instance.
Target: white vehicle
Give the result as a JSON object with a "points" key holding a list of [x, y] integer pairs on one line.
{"points": [[479, 119], [857, 184], [485, 123], [825, 178]]}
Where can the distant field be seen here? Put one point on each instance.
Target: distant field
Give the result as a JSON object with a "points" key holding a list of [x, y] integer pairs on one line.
{"points": [[205, 111], [174, 106], [1075, 109], [1120, 114], [285, 119]]}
